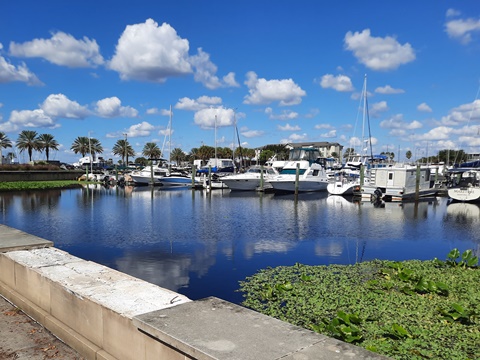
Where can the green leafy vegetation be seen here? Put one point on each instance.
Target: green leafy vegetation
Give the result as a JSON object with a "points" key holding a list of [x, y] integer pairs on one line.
{"points": [[37, 185], [405, 310]]}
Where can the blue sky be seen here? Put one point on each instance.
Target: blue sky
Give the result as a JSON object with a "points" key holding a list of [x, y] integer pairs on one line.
{"points": [[286, 71]]}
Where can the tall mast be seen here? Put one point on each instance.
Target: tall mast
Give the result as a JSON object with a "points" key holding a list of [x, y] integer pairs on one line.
{"points": [[364, 94], [170, 141], [215, 139]]}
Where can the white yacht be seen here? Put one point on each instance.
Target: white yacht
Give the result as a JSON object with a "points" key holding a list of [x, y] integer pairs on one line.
{"points": [[251, 179], [312, 175], [465, 185], [149, 175]]}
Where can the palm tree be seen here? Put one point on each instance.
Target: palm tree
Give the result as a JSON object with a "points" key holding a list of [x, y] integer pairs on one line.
{"points": [[408, 154], [47, 142], [205, 152], [27, 140], [348, 152], [124, 149], [80, 145], [178, 155], [151, 151], [95, 147], [4, 143]]}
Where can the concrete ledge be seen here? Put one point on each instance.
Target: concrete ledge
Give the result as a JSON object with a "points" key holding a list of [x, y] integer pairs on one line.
{"points": [[13, 239], [216, 329]]}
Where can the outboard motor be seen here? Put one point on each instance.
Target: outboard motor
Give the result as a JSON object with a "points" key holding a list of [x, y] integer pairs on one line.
{"points": [[121, 181], [377, 198]]}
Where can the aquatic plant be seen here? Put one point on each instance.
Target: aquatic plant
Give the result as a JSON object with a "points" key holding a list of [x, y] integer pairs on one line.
{"points": [[406, 310]]}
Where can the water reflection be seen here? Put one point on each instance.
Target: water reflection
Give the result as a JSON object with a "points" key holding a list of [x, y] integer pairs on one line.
{"points": [[202, 244]]}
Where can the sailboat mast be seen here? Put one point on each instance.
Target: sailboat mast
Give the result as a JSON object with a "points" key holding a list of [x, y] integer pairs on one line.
{"points": [[170, 141], [233, 142], [215, 139], [364, 94]]}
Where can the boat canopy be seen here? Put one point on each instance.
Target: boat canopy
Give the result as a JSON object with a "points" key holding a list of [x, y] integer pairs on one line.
{"points": [[308, 154]]}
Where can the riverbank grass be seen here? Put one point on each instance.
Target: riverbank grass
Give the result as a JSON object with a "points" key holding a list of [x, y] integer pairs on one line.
{"points": [[38, 185], [404, 310]]}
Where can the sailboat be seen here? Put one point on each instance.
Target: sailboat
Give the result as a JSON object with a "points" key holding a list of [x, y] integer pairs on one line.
{"points": [[346, 181], [175, 178], [217, 168]]}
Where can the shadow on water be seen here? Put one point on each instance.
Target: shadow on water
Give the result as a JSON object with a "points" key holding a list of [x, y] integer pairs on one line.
{"points": [[201, 244]]}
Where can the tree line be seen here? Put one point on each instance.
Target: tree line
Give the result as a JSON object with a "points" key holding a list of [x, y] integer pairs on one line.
{"points": [[30, 141]]}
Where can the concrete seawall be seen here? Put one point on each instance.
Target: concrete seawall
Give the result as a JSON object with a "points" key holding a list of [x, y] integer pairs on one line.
{"points": [[38, 175], [106, 314]]}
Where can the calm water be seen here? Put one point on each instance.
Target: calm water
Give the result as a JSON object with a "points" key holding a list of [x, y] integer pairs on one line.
{"points": [[202, 244]]}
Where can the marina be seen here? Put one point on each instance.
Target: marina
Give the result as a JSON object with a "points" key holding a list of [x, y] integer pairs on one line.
{"points": [[201, 243]]}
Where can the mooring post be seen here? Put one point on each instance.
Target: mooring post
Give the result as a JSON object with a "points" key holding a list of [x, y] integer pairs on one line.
{"points": [[417, 183], [209, 187], [194, 171], [151, 173], [297, 176], [261, 178]]}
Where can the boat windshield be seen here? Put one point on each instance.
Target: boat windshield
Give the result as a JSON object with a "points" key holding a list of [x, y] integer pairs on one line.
{"points": [[308, 154], [469, 178], [292, 171]]}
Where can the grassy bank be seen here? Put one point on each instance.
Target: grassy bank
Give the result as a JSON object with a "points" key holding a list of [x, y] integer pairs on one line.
{"points": [[38, 185], [404, 310]]}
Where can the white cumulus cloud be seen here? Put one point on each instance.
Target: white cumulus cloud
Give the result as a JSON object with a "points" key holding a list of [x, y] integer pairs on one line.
{"points": [[289, 127], [262, 91], [59, 106], [205, 72], [61, 49], [31, 118], [202, 102], [208, 118], [285, 115], [112, 107], [340, 83], [397, 122], [423, 107], [387, 89], [462, 29], [378, 53], [11, 73], [148, 52]]}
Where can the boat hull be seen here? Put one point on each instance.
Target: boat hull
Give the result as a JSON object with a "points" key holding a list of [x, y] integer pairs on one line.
{"points": [[341, 188], [177, 181], [143, 180], [242, 184], [288, 186], [465, 194]]}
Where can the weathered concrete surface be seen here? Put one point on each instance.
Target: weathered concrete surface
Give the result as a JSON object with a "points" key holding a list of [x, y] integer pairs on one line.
{"points": [[23, 338], [13, 239], [216, 329]]}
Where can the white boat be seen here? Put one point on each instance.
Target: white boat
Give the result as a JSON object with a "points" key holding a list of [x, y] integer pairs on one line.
{"points": [[216, 169], [148, 175], [251, 179], [218, 166], [465, 186], [343, 183], [178, 180], [398, 182], [312, 175]]}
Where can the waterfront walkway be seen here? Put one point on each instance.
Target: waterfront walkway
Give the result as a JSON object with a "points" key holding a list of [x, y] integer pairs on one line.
{"points": [[20, 336], [23, 338]]}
